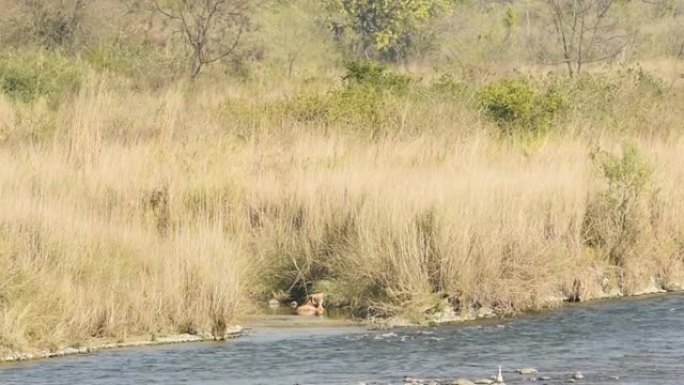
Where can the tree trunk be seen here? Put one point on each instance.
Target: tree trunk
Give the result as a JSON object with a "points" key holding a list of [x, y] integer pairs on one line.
{"points": [[196, 67]]}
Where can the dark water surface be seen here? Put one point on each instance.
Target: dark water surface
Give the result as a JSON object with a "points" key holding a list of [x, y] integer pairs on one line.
{"points": [[640, 340]]}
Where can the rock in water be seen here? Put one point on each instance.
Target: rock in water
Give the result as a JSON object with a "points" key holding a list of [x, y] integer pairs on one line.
{"points": [[462, 381], [527, 371], [577, 376]]}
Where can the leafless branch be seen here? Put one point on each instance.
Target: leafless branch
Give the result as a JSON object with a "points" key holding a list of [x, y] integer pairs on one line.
{"points": [[208, 26], [582, 27]]}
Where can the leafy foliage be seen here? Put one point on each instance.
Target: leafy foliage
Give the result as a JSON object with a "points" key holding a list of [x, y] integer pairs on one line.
{"points": [[377, 76], [29, 75], [382, 28], [519, 105], [618, 216]]}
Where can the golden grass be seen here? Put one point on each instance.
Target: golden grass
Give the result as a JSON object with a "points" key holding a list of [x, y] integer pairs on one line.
{"points": [[131, 214]]}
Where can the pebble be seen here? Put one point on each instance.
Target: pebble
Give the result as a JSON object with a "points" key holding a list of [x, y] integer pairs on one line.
{"points": [[577, 376], [462, 381], [527, 371]]}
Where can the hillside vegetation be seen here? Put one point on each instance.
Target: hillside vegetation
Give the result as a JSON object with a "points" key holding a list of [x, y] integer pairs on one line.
{"points": [[448, 154]]}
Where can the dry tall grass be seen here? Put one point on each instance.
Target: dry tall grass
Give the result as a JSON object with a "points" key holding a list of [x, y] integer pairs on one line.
{"points": [[130, 214]]}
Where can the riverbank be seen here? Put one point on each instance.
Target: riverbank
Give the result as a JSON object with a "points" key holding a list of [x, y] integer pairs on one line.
{"points": [[100, 345], [272, 321], [622, 338], [449, 315]]}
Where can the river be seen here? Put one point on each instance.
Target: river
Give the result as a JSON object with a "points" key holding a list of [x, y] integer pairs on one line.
{"points": [[639, 340]]}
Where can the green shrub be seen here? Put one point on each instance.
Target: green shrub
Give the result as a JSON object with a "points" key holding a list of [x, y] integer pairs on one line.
{"points": [[619, 215], [376, 76], [591, 95], [365, 104], [30, 75], [519, 105], [361, 109], [648, 82]]}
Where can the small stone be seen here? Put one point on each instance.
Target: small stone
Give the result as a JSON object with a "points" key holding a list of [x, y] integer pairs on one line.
{"points": [[273, 303], [544, 378], [572, 380], [577, 376], [484, 381], [527, 371], [614, 378]]}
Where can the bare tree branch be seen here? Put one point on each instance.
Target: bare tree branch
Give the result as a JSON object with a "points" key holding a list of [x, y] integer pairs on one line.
{"points": [[208, 27], [583, 28]]}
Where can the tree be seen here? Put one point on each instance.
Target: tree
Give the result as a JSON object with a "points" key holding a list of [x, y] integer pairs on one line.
{"points": [[211, 29], [385, 27], [586, 32]]}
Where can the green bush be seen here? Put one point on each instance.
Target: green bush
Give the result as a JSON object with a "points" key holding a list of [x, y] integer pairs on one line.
{"points": [[366, 103], [619, 215], [362, 109], [376, 76], [592, 95], [648, 82], [520, 105], [29, 75]]}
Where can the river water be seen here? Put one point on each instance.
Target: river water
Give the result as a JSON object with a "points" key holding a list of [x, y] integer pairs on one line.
{"points": [[639, 340]]}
